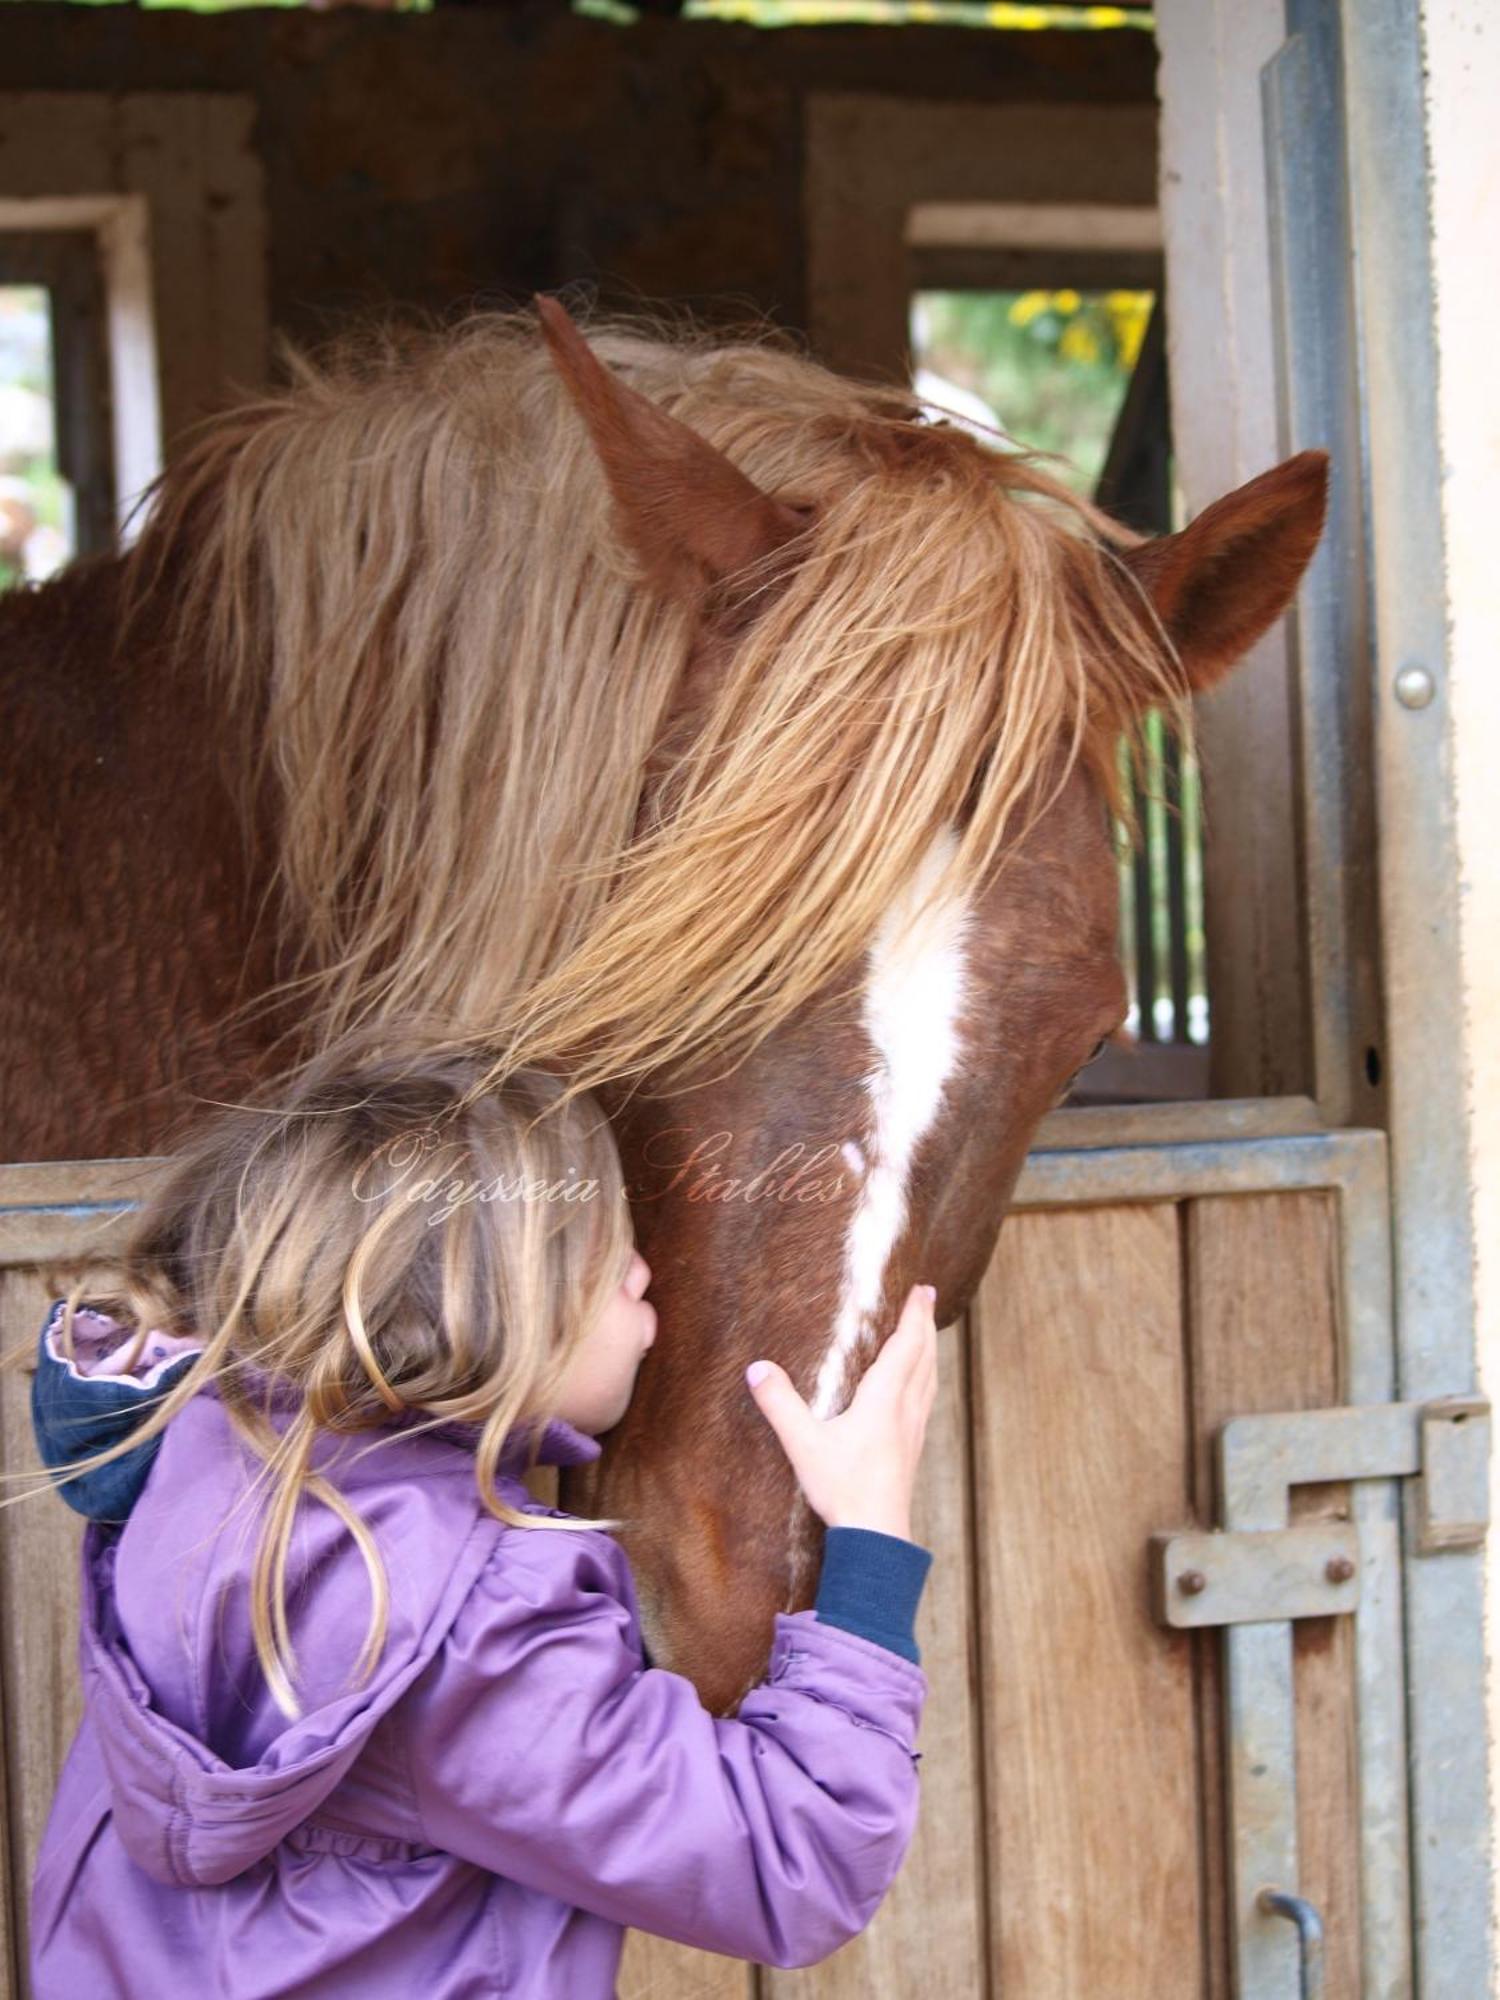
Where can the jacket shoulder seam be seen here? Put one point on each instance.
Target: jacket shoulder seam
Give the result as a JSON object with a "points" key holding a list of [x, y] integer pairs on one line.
{"points": [[795, 1631]]}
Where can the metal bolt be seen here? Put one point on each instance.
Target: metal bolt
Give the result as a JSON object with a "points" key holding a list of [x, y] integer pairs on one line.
{"points": [[1339, 1569], [1415, 687], [1192, 1582]]}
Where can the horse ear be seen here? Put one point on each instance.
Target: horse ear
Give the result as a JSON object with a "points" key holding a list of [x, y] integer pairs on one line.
{"points": [[1225, 579], [686, 510]]}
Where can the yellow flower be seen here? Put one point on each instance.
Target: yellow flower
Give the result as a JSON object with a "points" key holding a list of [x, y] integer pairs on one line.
{"points": [[1029, 306], [1079, 342]]}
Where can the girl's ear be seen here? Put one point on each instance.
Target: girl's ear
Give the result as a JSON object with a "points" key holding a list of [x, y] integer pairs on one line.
{"points": [[690, 515], [1225, 579]]}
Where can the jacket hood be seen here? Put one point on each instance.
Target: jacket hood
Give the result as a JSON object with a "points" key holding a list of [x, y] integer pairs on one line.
{"points": [[185, 1814], [85, 1401], [207, 1775]]}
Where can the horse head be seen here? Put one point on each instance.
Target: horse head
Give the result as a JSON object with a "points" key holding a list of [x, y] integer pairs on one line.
{"points": [[873, 1138]]}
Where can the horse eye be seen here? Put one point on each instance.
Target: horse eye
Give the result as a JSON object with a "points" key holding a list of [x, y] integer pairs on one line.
{"points": [[1092, 1057]]}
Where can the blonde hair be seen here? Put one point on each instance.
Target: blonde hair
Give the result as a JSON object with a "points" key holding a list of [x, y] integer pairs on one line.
{"points": [[404, 573], [292, 1238]]}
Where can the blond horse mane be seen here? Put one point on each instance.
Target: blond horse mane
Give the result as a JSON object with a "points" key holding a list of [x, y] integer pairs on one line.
{"points": [[403, 572]]}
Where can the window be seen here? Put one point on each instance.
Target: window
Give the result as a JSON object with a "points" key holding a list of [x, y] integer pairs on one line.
{"points": [[1077, 367], [57, 496]]}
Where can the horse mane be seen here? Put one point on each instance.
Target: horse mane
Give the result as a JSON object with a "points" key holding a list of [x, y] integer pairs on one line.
{"points": [[435, 656]]}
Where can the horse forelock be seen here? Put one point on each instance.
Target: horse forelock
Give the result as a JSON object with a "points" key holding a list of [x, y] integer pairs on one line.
{"points": [[404, 565]]}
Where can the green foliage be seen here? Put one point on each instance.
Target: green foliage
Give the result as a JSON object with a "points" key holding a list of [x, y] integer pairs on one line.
{"points": [[1054, 365]]}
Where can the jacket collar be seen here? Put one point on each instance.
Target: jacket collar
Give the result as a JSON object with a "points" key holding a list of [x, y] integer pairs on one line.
{"points": [[98, 1342], [561, 1443]]}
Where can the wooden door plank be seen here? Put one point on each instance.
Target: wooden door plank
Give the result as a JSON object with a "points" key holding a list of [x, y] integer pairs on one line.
{"points": [[10, 1953], [928, 1934], [1081, 1454], [653, 1968], [1262, 1284], [39, 1546], [12, 1887]]}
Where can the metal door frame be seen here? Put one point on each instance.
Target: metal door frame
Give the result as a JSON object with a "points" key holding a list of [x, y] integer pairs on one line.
{"points": [[1335, 189], [1428, 1121]]}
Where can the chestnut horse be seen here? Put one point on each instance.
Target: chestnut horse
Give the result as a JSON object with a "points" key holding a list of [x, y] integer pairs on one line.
{"points": [[661, 707]]}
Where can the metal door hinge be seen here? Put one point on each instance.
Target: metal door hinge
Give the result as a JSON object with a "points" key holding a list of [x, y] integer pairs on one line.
{"points": [[1257, 1568]]}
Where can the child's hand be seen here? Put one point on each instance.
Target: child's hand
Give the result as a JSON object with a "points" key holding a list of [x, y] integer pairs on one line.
{"points": [[857, 1469]]}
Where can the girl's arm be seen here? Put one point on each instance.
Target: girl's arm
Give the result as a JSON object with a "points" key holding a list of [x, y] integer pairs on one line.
{"points": [[542, 1749]]}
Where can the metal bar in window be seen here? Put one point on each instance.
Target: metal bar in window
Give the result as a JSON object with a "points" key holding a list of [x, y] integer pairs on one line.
{"points": [[1177, 916], [1145, 916]]}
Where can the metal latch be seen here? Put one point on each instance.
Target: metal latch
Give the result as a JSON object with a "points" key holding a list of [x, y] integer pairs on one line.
{"points": [[1258, 1569], [1225, 1579]]}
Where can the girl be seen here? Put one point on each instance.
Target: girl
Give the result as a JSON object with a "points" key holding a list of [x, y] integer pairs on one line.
{"points": [[405, 1740]]}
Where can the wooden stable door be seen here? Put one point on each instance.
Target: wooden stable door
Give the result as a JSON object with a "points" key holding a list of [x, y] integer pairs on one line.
{"points": [[1164, 1270]]}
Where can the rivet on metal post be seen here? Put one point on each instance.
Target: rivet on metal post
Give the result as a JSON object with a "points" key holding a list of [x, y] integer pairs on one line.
{"points": [[1339, 1569], [1192, 1582], [1415, 687], [1297, 1909]]}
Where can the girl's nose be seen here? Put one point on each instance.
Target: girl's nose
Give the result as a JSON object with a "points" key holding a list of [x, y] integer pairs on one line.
{"points": [[638, 1276]]}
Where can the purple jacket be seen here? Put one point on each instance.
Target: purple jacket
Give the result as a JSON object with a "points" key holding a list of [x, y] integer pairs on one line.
{"points": [[510, 1789]]}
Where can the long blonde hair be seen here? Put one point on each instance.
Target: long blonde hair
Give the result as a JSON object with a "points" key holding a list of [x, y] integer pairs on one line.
{"points": [[382, 1248], [403, 573]]}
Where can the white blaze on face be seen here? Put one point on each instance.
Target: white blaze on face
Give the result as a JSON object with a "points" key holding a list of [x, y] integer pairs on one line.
{"points": [[914, 990], [913, 998]]}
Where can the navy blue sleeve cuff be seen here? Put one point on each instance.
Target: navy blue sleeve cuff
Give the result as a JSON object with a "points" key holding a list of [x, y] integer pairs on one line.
{"points": [[871, 1584]]}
